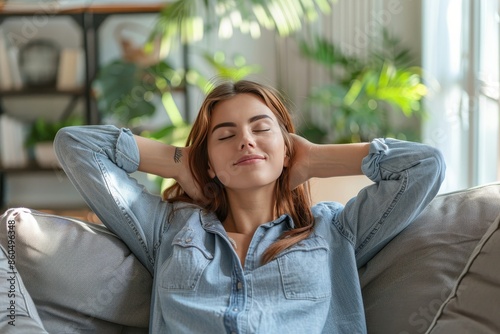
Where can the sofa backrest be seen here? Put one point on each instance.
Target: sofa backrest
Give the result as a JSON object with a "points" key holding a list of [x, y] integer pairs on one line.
{"points": [[405, 285]]}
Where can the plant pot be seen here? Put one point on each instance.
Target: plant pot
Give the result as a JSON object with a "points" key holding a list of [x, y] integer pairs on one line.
{"points": [[45, 156]]}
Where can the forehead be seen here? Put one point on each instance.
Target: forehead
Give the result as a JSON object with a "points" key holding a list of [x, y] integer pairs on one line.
{"points": [[240, 108]]}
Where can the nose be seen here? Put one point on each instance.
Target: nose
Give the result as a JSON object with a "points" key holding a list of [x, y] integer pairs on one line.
{"points": [[247, 140]]}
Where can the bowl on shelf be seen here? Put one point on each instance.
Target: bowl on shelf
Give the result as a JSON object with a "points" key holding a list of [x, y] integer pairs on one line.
{"points": [[38, 62]]}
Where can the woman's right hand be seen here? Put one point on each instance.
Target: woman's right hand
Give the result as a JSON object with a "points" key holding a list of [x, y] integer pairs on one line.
{"points": [[169, 162], [185, 178]]}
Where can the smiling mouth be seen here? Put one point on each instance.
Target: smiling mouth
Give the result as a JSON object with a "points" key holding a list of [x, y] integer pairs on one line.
{"points": [[249, 160]]}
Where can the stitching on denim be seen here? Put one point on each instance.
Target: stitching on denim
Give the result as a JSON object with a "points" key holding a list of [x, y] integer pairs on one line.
{"points": [[343, 231], [404, 185]]}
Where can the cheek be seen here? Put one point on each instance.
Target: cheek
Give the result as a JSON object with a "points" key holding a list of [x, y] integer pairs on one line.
{"points": [[279, 149], [216, 158]]}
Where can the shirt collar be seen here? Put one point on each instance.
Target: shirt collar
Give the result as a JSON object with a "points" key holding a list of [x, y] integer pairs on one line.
{"points": [[209, 220]]}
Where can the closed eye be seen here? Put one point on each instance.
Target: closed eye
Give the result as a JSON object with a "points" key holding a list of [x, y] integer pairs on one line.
{"points": [[226, 137], [262, 130]]}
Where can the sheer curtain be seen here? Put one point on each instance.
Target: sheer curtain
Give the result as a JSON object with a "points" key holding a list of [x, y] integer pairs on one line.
{"points": [[460, 58]]}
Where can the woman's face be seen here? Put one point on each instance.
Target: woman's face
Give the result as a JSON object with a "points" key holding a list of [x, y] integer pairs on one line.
{"points": [[246, 148]]}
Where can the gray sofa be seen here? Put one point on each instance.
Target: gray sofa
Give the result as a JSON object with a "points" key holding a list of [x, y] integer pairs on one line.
{"points": [[440, 275]]}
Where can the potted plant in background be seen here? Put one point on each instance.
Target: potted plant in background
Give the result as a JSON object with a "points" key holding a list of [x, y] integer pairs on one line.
{"points": [[364, 94], [40, 140], [359, 102]]}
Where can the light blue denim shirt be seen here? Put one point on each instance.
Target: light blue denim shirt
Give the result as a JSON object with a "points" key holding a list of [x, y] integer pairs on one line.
{"points": [[199, 283]]}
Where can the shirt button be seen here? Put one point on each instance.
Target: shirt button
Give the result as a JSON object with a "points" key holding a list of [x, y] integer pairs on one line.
{"points": [[239, 285], [235, 309], [188, 240]]}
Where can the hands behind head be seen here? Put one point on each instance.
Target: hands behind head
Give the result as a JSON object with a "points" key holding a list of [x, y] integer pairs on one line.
{"points": [[299, 169]]}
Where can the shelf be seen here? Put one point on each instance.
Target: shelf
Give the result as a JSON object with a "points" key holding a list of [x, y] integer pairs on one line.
{"points": [[79, 7], [31, 168], [89, 17]]}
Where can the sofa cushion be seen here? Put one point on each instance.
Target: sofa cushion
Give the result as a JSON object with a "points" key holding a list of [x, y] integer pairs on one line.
{"points": [[18, 313], [474, 303], [406, 283], [82, 278]]}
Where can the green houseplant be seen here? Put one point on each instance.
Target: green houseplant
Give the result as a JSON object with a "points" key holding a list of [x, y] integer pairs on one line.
{"points": [[40, 137], [363, 94], [186, 21]]}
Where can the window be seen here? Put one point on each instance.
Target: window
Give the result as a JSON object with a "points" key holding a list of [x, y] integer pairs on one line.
{"points": [[461, 59]]}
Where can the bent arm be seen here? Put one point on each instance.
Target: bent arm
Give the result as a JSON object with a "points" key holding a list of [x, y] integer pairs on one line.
{"points": [[325, 160], [99, 160], [158, 158], [406, 176]]}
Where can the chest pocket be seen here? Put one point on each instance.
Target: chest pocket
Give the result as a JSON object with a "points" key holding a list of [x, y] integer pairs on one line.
{"points": [[184, 268], [304, 270]]}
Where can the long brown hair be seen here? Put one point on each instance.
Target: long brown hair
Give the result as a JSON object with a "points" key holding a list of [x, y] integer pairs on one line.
{"points": [[295, 202]]}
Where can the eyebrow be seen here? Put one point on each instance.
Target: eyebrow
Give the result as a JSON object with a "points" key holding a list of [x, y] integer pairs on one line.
{"points": [[232, 124]]}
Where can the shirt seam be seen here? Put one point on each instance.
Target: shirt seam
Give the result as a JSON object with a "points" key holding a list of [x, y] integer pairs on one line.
{"points": [[376, 228]]}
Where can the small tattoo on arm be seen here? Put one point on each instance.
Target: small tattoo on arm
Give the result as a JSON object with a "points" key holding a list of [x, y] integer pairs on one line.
{"points": [[177, 155]]}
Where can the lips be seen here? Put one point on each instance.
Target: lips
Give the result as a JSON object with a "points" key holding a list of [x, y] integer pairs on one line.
{"points": [[249, 159]]}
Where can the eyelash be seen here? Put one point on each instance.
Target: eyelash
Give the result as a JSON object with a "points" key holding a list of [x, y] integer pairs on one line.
{"points": [[230, 136]]}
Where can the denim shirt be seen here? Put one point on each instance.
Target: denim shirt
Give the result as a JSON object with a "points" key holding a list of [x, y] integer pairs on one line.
{"points": [[199, 283]]}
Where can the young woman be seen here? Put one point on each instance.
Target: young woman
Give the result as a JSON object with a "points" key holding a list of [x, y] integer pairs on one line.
{"points": [[234, 246]]}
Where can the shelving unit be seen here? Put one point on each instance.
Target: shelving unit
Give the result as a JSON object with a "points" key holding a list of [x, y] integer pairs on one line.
{"points": [[89, 19]]}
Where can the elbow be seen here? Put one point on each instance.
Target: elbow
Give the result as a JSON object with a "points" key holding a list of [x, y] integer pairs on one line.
{"points": [[439, 163], [434, 167], [63, 142]]}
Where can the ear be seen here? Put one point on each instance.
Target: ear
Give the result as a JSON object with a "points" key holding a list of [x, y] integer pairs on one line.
{"points": [[210, 171], [286, 160]]}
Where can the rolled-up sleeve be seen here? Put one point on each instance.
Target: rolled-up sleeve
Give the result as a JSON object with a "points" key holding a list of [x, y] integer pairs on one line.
{"points": [[98, 160], [406, 176]]}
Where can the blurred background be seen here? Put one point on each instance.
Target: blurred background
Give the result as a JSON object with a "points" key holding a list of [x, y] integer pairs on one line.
{"points": [[350, 71]]}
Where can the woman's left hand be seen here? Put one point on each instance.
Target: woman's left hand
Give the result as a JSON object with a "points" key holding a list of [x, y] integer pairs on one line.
{"points": [[299, 166]]}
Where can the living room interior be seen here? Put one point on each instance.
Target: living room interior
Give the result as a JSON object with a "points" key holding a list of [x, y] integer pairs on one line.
{"points": [[455, 62], [418, 70]]}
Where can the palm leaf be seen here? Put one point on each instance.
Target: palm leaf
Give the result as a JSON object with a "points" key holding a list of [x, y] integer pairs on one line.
{"points": [[188, 20]]}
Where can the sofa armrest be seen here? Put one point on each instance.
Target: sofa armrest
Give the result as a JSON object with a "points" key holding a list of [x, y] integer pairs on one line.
{"points": [[82, 277]]}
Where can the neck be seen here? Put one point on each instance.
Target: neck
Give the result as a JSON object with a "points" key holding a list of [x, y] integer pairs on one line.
{"points": [[249, 209]]}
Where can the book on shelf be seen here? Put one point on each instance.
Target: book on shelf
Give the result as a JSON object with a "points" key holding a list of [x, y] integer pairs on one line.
{"points": [[15, 71], [10, 73], [70, 72], [13, 153], [5, 78]]}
